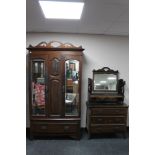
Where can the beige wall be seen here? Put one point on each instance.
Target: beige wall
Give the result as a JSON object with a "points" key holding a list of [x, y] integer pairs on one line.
{"points": [[100, 51]]}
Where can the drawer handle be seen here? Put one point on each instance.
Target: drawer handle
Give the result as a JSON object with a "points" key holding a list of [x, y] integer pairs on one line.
{"points": [[118, 120], [117, 128], [117, 111], [99, 129], [99, 119], [44, 127], [66, 128]]}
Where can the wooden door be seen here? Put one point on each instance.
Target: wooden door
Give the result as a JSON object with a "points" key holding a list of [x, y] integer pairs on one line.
{"points": [[56, 85]]}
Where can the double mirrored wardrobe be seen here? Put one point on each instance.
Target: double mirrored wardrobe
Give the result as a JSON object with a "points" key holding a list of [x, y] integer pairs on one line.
{"points": [[55, 72]]}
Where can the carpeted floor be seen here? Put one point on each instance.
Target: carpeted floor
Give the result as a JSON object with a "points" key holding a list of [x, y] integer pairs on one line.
{"points": [[105, 145]]}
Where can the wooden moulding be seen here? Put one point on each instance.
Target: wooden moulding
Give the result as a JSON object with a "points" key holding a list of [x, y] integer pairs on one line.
{"points": [[106, 70], [55, 45]]}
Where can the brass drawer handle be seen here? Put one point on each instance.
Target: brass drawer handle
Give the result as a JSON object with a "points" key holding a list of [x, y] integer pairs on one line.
{"points": [[117, 111], [117, 128], [43, 127], [99, 119], [99, 129], [118, 120], [66, 128]]}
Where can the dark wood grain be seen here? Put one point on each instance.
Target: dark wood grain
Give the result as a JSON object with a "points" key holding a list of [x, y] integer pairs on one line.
{"points": [[54, 122], [106, 119]]}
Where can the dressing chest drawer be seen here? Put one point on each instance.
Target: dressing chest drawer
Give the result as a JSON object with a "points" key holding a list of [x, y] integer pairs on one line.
{"points": [[106, 118], [108, 111]]}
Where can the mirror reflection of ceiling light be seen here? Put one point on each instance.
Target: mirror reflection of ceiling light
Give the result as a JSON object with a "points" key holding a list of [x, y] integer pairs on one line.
{"points": [[62, 10], [97, 84], [111, 78], [103, 81], [76, 82]]}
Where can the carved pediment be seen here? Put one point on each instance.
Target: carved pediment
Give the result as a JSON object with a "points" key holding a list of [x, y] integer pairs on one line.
{"points": [[55, 44], [105, 70]]}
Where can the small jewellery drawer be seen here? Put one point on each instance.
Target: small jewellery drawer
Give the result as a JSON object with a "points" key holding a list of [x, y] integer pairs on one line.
{"points": [[108, 120], [108, 111], [54, 128]]}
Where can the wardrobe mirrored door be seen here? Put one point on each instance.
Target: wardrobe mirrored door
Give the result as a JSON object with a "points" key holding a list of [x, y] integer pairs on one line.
{"points": [[72, 87], [38, 86]]}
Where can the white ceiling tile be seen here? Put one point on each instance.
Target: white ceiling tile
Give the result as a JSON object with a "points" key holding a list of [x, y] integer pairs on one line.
{"points": [[99, 17]]}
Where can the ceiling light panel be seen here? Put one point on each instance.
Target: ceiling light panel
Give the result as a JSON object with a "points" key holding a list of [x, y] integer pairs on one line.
{"points": [[62, 10]]}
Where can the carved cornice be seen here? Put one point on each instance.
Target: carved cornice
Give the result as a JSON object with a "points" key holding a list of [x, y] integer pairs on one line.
{"points": [[54, 44], [105, 70]]}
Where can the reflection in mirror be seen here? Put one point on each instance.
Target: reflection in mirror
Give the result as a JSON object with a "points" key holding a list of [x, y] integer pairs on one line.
{"points": [[105, 82], [38, 87], [71, 87]]}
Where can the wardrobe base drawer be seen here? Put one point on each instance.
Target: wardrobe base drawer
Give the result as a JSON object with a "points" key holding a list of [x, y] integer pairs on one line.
{"points": [[54, 128]]}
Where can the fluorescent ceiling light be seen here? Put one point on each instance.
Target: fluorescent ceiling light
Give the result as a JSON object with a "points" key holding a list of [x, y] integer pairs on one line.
{"points": [[62, 10]]}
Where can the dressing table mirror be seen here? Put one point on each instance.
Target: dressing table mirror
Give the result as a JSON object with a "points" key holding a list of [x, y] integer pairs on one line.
{"points": [[106, 87], [105, 80]]}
